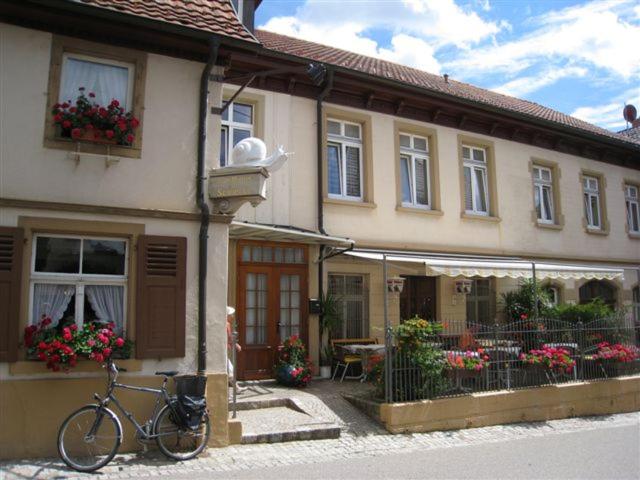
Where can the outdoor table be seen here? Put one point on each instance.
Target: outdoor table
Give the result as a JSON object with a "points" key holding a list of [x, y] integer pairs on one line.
{"points": [[365, 351]]}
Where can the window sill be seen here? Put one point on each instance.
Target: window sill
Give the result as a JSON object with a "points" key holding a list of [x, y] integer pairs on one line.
{"points": [[94, 148], [634, 236], [484, 218], [593, 231], [549, 226], [423, 211], [36, 367], [348, 203]]}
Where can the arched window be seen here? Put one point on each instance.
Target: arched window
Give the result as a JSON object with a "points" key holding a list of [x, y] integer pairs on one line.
{"points": [[598, 289]]}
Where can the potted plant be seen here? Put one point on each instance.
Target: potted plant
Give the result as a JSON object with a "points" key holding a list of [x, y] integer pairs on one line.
{"points": [[293, 368], [465, 365], [86, 120], [616, 359], [330, 321], [557, 360], [61, 347]]}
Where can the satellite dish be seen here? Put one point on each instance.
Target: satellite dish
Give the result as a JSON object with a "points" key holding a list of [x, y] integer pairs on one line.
{"points": [[630, 113]]}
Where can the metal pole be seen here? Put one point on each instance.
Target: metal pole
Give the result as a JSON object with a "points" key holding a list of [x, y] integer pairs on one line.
{"points": [[387, 334], [234, 342], [535, 290]]}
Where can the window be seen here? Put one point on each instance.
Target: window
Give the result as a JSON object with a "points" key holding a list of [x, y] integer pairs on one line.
{"points": [[591, 187], [111, 73], [351, 296], [476, 195], [480, 302], [554, 295], [543, 194], [273, 254], [107, 79], [344, 159], [79, 280], [414, 171], [237, 124], [598, 289], [632, 200], [636, 304]]}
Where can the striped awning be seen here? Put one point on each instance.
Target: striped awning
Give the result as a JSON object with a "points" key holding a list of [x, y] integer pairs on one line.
{"points": [[459, 266]]}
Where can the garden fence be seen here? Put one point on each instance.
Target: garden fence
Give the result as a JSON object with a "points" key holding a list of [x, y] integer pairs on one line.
{"points": [[522, 354]]}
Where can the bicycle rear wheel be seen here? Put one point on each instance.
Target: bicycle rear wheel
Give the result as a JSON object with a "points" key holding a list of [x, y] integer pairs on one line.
{"points": [[176, 441], [89, 438]]}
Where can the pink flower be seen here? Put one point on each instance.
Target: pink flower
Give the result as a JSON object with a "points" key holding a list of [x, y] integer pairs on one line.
{"points": [[119, 342], [91, 342]]}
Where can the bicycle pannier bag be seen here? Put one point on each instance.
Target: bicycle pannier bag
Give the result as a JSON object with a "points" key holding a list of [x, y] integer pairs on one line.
{"points": [[191, 404]]}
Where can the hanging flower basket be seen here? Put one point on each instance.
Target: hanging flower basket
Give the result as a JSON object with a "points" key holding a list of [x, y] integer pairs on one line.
{"points": [[85, 120]]}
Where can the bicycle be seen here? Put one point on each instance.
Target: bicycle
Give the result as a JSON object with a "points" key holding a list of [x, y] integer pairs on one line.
{"points": [[90, 437]]}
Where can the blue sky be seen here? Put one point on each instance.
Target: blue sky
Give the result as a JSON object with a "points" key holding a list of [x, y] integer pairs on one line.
{"points": [[581, 58]]}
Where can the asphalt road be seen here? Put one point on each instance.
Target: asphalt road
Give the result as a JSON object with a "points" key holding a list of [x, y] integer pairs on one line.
{"points": [[609, 453]]}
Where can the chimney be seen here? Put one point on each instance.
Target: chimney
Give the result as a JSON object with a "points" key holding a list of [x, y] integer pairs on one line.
{"points": [[446, 78], [246, 10]]}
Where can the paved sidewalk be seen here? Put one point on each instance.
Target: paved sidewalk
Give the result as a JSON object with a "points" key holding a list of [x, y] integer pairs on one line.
{"points": [[349, 445]]}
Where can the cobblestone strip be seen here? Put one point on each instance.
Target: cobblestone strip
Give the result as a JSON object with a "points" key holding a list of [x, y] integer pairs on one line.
{"points": [[309, 452]]}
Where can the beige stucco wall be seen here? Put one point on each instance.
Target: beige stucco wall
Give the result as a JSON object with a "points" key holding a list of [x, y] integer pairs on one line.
{"points": [[291, 121]]}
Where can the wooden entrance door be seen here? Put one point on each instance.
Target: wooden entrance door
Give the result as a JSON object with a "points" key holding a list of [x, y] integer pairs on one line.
{"points": [[418, 297], [271, 306]]}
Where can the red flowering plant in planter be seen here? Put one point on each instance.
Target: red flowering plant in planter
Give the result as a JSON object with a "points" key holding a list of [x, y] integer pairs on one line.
{"points": [[61, 347], [616, 353], [87, 120], [469, 360], [556, 359], [293, 368]]}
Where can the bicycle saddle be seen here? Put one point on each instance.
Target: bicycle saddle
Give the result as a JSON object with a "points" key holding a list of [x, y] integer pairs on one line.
{"points": [[170, 373]]}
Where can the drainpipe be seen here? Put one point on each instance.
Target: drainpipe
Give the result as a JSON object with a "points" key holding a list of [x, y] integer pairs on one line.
{"points": [[319, 144], [203, 206]]}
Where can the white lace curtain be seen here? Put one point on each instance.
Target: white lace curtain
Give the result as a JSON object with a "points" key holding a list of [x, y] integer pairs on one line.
{"points": [[108, 302], [108, 82], [51, 300]]}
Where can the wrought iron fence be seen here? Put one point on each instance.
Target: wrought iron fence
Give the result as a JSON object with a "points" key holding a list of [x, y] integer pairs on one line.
{"points": [[521, 354]]}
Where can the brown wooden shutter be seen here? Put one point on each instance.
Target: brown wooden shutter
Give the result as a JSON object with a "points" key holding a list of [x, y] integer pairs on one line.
{"points": [[161, 296], [11, 240]]}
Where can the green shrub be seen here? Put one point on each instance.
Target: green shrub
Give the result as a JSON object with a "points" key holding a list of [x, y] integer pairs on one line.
{"points": [[519, 304], [585, 313]]}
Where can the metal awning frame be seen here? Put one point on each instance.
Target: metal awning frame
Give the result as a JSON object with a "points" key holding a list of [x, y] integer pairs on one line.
{"points": [[257, 231]]}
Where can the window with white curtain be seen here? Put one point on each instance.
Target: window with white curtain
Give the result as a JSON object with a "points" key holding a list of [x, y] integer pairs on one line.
{"points": [[591, 187], [476, 194], [107, 79], [237, 124], [543, 194], [344, 159], [415, 171], [632, 200], [79, 280]]}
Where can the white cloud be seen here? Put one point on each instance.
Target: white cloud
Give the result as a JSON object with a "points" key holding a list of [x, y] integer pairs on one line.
{"points": [[418, 28], [599, 34], [524, 85], [609, 115]]}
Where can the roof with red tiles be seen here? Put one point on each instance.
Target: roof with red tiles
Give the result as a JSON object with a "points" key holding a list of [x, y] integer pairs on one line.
{"points": [[427, 81], [214, 16]]}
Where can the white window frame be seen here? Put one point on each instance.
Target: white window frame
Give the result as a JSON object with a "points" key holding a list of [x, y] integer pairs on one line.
{"points": [[630, 201], [104, 61], [555, 294], [414, 154], [589, 193], [79, 280], [230, 125], [539, 185], [475, 165], [342, 142]]}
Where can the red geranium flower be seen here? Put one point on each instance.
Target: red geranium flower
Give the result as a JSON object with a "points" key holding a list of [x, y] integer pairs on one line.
{"points": [[109, 134]]}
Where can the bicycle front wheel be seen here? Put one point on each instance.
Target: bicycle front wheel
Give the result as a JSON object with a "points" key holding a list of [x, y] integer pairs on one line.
{"points": [[176, 441], [89, 438]]}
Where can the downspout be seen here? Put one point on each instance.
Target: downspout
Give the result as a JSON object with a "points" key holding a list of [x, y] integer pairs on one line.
{"points": [[319, 140], [203, 206]]}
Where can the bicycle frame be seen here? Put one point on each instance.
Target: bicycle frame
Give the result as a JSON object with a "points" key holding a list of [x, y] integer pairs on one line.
{"points": [[161, 395]]}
